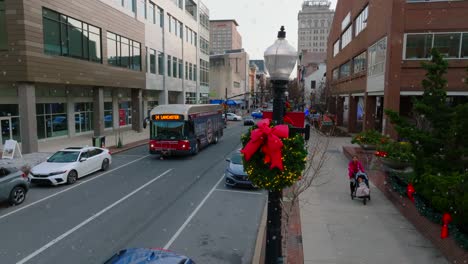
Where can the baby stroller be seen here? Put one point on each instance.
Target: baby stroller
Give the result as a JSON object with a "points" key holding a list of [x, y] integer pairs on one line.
{"points": [[361, 188]]}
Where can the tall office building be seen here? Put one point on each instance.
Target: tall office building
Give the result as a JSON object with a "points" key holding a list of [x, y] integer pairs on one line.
{"points": [[74, 68], [224, 36], [315, 20]]}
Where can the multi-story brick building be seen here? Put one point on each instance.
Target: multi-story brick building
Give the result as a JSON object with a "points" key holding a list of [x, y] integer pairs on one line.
{"points": [[71, 68], [375, 50], [224, 36]]}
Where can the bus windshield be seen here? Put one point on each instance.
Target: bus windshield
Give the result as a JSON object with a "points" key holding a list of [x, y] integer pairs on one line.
{"points": [[167, 130]]}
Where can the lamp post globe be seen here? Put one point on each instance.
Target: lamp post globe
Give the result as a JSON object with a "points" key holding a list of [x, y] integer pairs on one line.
{"points": [[280, 58]]}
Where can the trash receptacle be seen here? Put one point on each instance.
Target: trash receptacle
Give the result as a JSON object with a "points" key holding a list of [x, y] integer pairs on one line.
{"points": [[99, 141]]}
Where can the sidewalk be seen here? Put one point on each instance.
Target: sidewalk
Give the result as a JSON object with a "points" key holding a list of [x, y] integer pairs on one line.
{"points": [[336, 229], [130, 139]]}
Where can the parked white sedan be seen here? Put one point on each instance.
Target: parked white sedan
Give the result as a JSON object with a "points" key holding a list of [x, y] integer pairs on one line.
{"points": [[67, 165], [233, 117]]}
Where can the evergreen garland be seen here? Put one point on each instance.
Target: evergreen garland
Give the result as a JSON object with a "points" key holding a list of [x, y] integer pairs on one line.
{"points": [[294, 161]]}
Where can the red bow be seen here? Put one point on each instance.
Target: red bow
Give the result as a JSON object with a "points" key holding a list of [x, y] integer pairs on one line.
{"points": [[270, 141], [446, 219], [381, 154], [410, 191]]}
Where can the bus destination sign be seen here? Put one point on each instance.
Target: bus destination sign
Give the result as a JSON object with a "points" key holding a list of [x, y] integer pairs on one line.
{"points": [[168, 117]]}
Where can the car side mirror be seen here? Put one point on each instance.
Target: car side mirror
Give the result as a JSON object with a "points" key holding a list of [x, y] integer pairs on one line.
{"points": [[83, 159]]}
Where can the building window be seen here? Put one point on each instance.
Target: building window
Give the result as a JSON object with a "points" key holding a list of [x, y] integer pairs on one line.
{"points": [[125, 113], [346, 37], [205, 21], [160, 17], [181, 30], [142, 8], [108, 115], [186, 70], [336, 48], [181, 69], [448, 44], [236, 84], [66, 36], [3, 33], [151, 13], [336, 74], [83, 117], [195, 41], [204, 98], [204, 73], [152, 61], [190, 98], [123, 52], [204, 46], [169, 20], [174, 67], [359, 63], [129, 4], [161, 63], [169, 63], [345, 70], [361, 21], [190, 71], [51, 120], [313, 84], [418, 46], [464, 49], [376, 55], [195, 72]]}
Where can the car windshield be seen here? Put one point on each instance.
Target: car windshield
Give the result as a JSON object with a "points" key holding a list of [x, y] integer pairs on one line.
{"points": [[168, 130], [64, 156], [236, 158]]}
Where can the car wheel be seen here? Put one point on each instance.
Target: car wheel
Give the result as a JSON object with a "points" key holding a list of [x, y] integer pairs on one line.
{"points": [[235, 119], [17, 195], [105, 165], [72, 177], [216, 139]]}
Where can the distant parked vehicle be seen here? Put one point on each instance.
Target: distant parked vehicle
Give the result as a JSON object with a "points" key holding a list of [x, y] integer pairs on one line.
{"points": [[257, 115], [67, 165], [233, 117], [148, 256], [249, 122], [13, 185]]}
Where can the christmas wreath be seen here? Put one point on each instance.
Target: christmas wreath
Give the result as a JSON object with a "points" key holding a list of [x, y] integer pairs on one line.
{"points": [[272, 159]]}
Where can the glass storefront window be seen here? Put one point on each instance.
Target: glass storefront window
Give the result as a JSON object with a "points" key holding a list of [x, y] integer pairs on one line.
{"points": [[125, 114], [51, 120], [83, 117], [108, 115], [9, 110]]}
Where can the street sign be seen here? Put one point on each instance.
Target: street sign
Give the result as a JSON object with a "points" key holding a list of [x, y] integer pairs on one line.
{"points": [[11, 148]]}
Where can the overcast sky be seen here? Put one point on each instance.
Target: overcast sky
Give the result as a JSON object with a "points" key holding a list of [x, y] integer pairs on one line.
{"points": [[259, 20]]}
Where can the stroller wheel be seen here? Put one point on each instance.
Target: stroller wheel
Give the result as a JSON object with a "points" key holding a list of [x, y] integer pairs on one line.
{"points": [[369, 197], [352, 197], [364, 201]]}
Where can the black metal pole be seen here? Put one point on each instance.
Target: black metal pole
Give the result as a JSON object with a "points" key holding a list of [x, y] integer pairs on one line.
{"points": [[274, 248]]}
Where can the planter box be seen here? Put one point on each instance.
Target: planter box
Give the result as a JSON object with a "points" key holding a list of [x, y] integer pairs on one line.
{"points": [[395, 164], [368, 146]]}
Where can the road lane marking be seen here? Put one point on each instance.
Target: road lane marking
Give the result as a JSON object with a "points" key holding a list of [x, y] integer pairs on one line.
{"points": [[64, 235], [70, 188], [174, 237], [243, 192]]}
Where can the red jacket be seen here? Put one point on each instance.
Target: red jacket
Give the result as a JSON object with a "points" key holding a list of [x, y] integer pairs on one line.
{"points": [[354, 167]]}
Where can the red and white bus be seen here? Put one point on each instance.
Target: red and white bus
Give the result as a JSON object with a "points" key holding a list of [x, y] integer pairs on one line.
{"points": [[178, 129]]}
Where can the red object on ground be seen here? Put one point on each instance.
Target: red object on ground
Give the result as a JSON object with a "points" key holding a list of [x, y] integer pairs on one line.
{"points": [[294, 118], [446, 219], [269, 139], [410, 192], [122, 117]]}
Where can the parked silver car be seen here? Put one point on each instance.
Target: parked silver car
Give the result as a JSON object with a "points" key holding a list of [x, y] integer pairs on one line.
{"points": [[14, 185]]}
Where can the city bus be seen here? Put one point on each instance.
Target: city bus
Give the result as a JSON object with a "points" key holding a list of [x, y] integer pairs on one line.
{"points": [[178, 129]]}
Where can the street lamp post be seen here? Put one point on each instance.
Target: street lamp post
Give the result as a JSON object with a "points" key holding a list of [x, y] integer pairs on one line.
{"points": [[280, 59]]}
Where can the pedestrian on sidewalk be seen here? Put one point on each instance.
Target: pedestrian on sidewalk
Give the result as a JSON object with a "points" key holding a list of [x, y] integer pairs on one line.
{"points": [[354, 167]]}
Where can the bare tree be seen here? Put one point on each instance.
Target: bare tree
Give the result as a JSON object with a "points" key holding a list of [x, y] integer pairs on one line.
{"points": [[317, 157]]}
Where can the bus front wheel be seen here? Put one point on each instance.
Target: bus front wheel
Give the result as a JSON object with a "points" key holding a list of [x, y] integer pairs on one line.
{"points": [[195, 148]]}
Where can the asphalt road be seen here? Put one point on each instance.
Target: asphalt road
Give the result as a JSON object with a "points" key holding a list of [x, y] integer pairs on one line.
{"points": [[180, 204]]}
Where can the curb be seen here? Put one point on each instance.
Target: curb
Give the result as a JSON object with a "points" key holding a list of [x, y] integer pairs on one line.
{"points": [[115, 150], [259, 253]]}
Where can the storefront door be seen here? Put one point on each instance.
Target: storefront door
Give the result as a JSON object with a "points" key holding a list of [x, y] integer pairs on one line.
{"points": [[6, 130]]}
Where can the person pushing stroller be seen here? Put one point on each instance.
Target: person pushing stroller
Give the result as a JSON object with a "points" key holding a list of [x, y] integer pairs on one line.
{"points": [[354, 167], [358, 181]]}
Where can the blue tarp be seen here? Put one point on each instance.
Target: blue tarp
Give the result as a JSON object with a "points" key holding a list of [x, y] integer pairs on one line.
{"points": [[229, 102]]}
